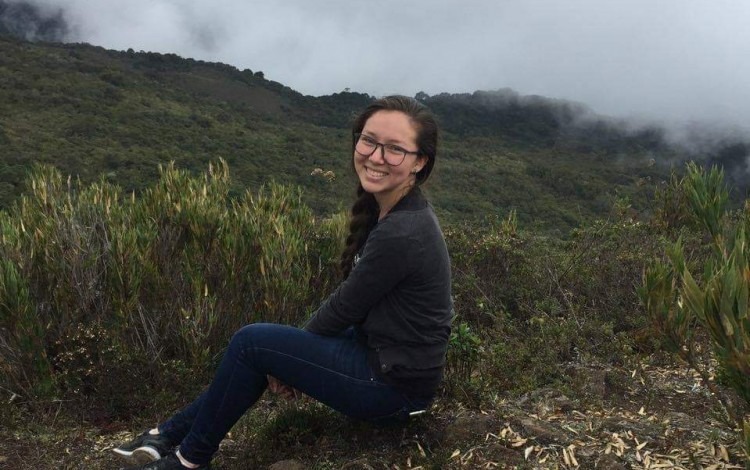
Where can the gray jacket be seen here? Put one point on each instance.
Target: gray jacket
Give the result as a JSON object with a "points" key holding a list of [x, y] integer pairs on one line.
{"points": [[398, 297]]}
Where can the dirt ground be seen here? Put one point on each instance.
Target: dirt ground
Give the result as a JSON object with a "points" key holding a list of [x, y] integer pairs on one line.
{"points": [[647, 418]]}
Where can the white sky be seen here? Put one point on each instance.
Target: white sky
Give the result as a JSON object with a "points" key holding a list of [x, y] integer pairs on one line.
{"points": [[676, 60]]}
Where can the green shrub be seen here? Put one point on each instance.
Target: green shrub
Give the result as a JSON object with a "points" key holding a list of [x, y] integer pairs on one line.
{"points": [[492, 270], [464, 349], [717, 298], [536, 304], [524, 357], [91, 279], [23, 358], [601, 269]]}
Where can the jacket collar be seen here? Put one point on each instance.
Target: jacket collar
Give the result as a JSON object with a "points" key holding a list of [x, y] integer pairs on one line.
{"points": [[414, 200]]}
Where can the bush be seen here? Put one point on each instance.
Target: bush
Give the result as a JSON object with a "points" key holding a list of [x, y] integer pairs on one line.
{"points": [[717, 299], [492, 270], [536, 304], [92, 280], [464, 349]]}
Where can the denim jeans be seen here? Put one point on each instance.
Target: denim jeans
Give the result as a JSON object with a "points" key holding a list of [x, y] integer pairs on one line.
{"points": [[332, 369]]}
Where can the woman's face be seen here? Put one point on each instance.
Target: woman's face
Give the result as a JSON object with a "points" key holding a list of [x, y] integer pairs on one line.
{"points": [[386, 182]]}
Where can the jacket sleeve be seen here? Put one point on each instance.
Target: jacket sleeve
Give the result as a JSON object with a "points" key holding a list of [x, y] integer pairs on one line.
{"points": [[384, 263]]}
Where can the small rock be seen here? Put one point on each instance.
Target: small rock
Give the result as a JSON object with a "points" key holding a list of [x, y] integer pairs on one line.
{"points": [[507, 456], [645, 430], [684, 421], [588, 381], [546, 400], [587, 456], [467, 427], [287, 465], [544, 433], [359, 464], [610, 462]]}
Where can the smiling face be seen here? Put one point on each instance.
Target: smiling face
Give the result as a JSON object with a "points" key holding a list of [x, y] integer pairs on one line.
{"points": [[389, 183]]}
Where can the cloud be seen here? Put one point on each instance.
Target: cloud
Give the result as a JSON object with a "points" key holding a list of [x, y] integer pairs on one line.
{"points": [[672, 59], [20, 19]]}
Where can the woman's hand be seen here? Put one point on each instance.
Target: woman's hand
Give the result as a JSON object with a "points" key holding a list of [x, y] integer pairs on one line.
{"points": [[280, 388]]}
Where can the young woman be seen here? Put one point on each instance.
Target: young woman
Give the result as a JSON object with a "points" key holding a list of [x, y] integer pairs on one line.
{"points": [[375, 349]]}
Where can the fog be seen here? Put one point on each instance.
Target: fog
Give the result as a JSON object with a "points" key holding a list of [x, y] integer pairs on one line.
{"points": [[671, 60]]}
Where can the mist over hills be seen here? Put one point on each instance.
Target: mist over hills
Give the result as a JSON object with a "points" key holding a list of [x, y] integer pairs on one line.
{"points": [[27, 21], [39, 21], [92, 112]]}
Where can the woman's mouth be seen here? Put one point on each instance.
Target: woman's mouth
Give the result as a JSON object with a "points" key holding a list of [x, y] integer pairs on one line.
{"points": [[375, 173]]}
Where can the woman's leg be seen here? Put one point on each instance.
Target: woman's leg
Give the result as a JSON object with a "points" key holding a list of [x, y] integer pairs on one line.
{"points": [[333, 370], [178, 426]]}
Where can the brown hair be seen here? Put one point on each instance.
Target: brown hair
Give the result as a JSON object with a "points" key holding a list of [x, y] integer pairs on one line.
{"points": [[365, 211]]}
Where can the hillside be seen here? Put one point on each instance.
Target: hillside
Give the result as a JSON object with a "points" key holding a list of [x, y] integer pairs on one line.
{"points": [[95, 113], [92, 112]]}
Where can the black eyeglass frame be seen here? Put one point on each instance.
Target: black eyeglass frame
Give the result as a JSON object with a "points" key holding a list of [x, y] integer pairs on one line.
{"points": [[356, 136]]}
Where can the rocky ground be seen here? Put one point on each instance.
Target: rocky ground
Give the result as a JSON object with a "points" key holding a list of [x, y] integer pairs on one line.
{"points": [[647, 418]]}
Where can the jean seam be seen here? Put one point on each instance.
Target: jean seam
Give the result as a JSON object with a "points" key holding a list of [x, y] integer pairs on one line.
{"points": [[369, 382]]}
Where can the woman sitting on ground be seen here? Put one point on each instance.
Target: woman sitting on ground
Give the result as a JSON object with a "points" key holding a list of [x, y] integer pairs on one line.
{"points": [[375, 349]]}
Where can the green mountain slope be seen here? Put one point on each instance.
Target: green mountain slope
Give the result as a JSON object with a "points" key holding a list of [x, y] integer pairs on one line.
{"points": [[94, 112]]}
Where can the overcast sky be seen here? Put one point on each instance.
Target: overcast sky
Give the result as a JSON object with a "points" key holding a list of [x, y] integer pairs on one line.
{"points": [[659, 59]]}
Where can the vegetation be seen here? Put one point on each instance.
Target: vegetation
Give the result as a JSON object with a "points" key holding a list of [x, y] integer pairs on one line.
{"points": [[717, 300], [171, 273], [105, 295], [94, 279], [128, 256], [91, 112], [168, 275]]}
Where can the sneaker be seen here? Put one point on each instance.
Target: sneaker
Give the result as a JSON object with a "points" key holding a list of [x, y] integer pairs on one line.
{"points": [[144, 449], [169, 462]]}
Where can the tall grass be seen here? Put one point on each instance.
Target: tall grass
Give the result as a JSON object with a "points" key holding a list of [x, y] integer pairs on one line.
{"points": [[169, 274]]}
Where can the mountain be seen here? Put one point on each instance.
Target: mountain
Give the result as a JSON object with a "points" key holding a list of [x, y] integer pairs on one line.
{"points": [[97, 113]]}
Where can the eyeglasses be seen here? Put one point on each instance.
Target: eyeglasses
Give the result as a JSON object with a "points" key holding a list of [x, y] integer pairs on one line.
{"points": [[392, 154]]}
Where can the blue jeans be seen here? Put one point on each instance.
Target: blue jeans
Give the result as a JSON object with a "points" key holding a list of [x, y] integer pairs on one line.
{"points": [[332, 369]]}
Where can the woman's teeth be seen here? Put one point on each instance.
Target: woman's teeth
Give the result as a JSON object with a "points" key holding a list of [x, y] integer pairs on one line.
{"points": [[378, 174]]}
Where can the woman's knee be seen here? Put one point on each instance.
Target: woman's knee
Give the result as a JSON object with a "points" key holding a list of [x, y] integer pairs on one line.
{"points": [[255, 335], [243, 339]]}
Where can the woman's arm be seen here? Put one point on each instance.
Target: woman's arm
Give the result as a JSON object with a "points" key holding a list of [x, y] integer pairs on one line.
{"points": [[385, 262]]}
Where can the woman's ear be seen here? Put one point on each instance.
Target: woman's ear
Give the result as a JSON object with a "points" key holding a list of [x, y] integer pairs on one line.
{"points": [[419, 163]]}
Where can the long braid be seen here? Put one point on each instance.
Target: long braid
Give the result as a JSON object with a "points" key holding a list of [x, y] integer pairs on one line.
{"points": [[364, 216]]}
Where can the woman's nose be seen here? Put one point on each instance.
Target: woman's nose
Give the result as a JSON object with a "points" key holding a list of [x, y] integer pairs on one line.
{"points": [[379, 154]]}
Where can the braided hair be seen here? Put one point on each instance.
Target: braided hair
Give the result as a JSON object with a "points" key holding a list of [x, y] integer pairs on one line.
{"points": [[365, 210]]}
